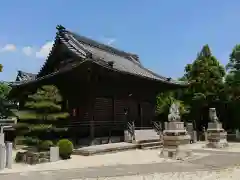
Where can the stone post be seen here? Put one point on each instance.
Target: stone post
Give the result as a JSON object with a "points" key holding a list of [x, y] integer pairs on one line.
{"points": [[206, 135], [2, 139], [9, 158], [2, 156], [191, 132], [237, 134], [54, 154], [194, 136], [160, 131], [165, 125]]}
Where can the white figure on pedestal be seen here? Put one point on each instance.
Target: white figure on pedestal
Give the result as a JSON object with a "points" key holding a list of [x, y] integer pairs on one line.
{"points": [[174, 114], [213, 115]]}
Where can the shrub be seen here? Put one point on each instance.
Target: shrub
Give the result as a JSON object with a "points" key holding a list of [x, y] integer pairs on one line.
{"points": [[45, 145], [65, 148], [31, 141]]}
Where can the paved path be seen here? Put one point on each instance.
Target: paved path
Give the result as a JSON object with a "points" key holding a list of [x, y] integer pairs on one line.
{"points": [[216, 159]]}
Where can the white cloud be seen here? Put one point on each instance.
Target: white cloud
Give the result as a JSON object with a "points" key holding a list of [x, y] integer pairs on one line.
{"points": [[109, 41], [8, 48], [27, 50], [44, 50]]}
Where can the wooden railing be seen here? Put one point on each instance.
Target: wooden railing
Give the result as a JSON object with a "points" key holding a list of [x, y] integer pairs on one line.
{"points": [[120, 124], [131, 129], [157, 127]]}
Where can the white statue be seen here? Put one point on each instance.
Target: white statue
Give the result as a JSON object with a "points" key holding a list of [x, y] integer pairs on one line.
{"points": [[174, 114], [213, 115]]}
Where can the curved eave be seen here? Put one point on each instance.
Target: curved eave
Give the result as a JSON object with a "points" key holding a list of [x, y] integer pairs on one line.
{"points": [[60, 39], [159, 78], [105, 65], [72, 45]]}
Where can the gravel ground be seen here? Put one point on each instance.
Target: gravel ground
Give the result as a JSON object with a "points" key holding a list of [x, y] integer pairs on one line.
{"points": [[206, 164]]}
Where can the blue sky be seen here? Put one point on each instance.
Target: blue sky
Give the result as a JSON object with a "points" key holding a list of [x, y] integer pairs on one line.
{"points": [[166, 34]]}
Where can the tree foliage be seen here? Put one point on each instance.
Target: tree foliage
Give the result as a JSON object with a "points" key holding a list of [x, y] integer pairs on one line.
{"points": [[5, 104], [42, 113], [165, 100], [232, 87], [232, 80], [205, 76]]}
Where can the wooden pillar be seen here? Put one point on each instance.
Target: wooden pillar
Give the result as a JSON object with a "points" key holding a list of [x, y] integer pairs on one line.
{"points": [[141, 115], [91, 112], [114, 108], [92, 95]]}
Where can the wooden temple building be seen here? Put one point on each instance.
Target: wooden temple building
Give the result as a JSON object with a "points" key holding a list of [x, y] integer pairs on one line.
{"points": [[103, 87]]}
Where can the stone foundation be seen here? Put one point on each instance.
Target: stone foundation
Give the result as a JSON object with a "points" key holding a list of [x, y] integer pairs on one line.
{"points": [[216, 136], [175, 137], [31, 158]]}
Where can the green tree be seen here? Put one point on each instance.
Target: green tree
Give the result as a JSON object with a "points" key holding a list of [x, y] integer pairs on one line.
{"points": [[205, 75], [42, 114], [232, 80], [232, 87], [164, 101], [5, 103]]}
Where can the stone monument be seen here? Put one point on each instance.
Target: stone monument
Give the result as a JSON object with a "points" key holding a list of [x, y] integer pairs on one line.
{"points": [[191, 132], [175, 136], [216, 135]]}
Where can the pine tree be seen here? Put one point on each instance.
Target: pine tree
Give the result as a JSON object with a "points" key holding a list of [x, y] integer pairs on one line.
{"points": [[42, 115]]}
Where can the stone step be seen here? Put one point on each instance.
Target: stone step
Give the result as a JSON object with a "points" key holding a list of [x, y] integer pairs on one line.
{"points": [[147, 141], [104, 148], [149, 144], [146, 134], [152, 147]]}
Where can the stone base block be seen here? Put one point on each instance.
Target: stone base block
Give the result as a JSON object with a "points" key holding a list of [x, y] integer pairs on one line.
{"points": [[216, 138], [193, 135], [217, 144], [175, 126], [175, 146], [213, 125], [175, 152], [176, 140]]}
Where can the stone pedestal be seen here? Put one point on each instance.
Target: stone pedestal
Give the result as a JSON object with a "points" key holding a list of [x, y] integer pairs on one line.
{"points": [[175, 139], [54, 154], [216, 135], [2, 156], [9, 157], [237, 134], [191, 132], [2, 139]]}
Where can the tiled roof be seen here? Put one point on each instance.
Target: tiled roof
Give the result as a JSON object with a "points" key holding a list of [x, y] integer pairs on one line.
{"points": [[91, 50], [24, 76], [122, 61]]}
